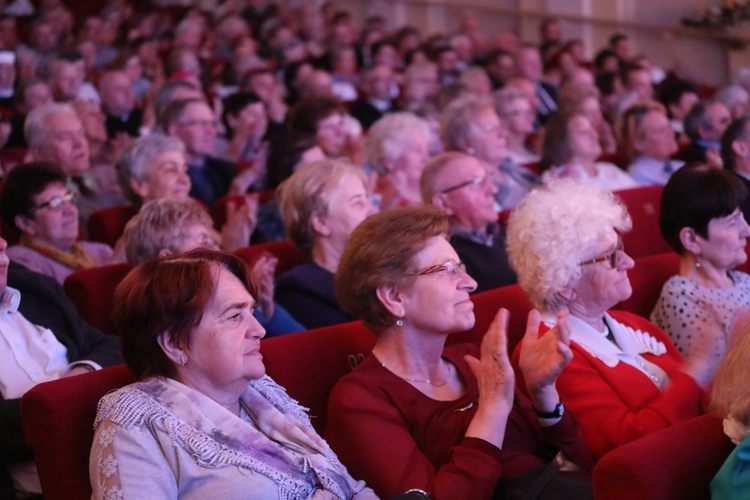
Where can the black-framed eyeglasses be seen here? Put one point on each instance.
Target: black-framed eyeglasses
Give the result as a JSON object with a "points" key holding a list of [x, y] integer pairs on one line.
{"points": [[474, 181], [612, 257], [449, 267], [57, 201]]}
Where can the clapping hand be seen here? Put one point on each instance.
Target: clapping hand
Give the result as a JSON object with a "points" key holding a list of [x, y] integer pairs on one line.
{"points": [[543, 358], [493, 370], [262, 274], [240, 224]]}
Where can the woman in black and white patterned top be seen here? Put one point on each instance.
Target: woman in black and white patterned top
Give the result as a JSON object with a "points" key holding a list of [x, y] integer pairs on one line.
{"points": [[701, 219]]}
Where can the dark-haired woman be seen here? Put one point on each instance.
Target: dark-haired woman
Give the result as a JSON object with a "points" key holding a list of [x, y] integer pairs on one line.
{"points": [[701, 219]]}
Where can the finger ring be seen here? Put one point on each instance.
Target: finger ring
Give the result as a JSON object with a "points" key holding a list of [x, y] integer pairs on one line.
{"points": [[494, 356]]}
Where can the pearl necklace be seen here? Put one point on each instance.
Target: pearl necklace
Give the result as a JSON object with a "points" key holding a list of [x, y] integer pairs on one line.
{"points": [[418, 381]]}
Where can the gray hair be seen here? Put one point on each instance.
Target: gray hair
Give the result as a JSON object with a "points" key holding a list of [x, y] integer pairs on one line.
{"points": [[730, 94], [504, 97], [134, 161], [550, 231], [159, 225], [455, 126], [389, 136], [34, 127]]}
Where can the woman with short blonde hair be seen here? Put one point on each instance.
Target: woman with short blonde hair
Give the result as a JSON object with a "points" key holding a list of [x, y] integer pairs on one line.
{"points": [[321, 204]]}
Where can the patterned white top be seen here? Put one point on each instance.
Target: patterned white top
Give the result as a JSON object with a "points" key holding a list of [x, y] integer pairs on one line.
{"points": [[697, 317]]}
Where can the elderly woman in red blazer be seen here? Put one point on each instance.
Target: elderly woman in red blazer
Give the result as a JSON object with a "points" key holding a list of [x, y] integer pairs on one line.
{"points": [[626, 378]]}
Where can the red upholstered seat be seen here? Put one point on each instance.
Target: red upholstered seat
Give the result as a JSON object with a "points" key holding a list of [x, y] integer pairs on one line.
{"points": [[671, 464], [308, 364], [643, 205], [647, 278], [106, 225], [486, 305], [288, 253], [12, 157], [92, 292], [58, 420]]}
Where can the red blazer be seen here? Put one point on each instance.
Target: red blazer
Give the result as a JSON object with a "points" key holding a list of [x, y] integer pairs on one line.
{"points": [[617, 405]]}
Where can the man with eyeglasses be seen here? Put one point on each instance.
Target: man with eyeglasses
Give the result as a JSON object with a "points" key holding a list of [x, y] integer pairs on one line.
{"points": [[42, 338], [193, 122], [704, 125], [458, 184]]}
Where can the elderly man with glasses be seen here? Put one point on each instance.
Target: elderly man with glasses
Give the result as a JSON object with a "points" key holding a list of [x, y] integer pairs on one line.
{"points": [[458, 184], [193, 121]]}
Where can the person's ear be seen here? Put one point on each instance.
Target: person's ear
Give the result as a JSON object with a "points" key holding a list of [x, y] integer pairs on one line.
{"points": [[387, 163], [442, 202], [139, 187], [691, 240], [740, 149], [171, 350], [565, 295], [392, 300], [320, 224], [25, 224]]}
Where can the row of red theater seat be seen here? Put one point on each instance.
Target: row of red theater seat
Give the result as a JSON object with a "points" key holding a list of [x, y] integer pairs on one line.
{"points": [[92, 290], [673, 463]]}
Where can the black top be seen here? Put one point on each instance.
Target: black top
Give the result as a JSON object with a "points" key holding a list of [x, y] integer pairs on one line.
{"points": [[211, 180], [307, 292], [487, 264]]}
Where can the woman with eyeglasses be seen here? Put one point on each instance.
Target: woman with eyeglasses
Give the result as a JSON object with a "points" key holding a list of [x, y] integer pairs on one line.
{"points": [[626, 379], [417, 415], [571, 149], [517, 114], [701, 219], [36, 202], [471, 125]]}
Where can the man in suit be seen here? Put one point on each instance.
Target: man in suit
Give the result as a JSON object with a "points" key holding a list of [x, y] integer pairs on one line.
{"points": [[118, 104], [735, 153], [529, 66], [378, 100], [42, 338]]}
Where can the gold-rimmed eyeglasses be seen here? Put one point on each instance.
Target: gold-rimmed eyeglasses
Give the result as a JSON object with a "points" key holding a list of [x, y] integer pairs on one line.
{"points": [[612, 257]]}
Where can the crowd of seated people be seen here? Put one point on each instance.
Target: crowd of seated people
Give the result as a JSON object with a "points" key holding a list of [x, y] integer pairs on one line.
{"points": [[298, 123]]}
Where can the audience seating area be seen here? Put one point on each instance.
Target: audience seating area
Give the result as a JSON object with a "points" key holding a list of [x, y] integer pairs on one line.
{"points": [[308, 364], [58, 419], [674, 463], [106, 225]]}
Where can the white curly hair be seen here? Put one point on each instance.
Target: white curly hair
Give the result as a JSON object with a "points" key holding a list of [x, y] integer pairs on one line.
{"points": [[551, 230]]}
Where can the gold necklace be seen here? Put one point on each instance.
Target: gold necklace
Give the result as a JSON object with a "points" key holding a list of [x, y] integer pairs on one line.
{"points": [[418, 381]]}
